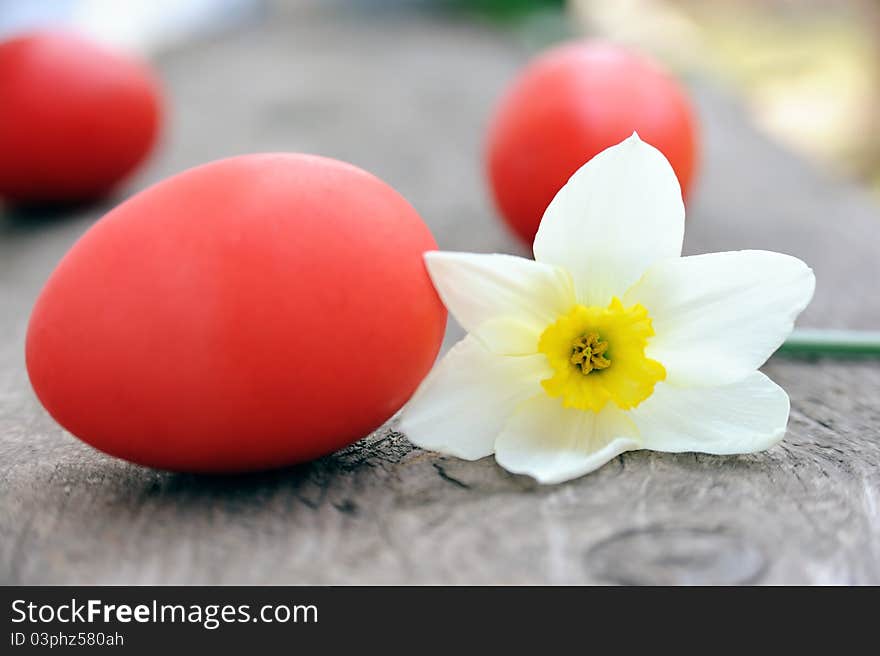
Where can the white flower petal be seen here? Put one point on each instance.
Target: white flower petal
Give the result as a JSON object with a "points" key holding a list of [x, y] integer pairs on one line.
{"points": [[481, 288], [462, 405], [718, 317], [507, 336], [553, 444], [618, 214], [743, 417]]}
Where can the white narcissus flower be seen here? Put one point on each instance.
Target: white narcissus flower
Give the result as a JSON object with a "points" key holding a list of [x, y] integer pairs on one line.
{"points": [[610, 340]]}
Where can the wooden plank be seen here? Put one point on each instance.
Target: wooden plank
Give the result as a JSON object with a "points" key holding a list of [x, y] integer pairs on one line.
{"points": [[409, 99]]}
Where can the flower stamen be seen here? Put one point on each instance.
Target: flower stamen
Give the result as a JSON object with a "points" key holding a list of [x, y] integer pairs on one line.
{"points": [[587, 353]]}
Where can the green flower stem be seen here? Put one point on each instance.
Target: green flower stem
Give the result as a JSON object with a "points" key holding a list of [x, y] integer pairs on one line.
{"points": [[847, 343]]}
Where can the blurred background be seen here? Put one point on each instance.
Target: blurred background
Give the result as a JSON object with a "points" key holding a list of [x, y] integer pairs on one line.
{"points": [[808, 71]]}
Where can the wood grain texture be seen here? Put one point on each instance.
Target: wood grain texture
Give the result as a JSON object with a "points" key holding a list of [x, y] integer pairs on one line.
{"points": [[409, 99]]}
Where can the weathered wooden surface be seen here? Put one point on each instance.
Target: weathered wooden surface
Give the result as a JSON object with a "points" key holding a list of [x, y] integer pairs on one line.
{"points": [[408, 99]]}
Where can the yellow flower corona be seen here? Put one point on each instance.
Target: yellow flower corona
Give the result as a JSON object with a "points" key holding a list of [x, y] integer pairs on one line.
{"points": [[598, 355]]}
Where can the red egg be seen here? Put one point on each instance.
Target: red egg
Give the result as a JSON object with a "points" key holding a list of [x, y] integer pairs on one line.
{"points": [[75, 118], [250, 313], [567, 106]]}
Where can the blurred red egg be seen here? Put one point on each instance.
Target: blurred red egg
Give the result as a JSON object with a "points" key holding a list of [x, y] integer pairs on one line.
{"points": [[75, 118], [250, 313], [567, 106]]}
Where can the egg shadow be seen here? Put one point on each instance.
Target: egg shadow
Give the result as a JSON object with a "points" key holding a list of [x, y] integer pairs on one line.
{"points": [[239, 485], [306, 484], [24, 218]]}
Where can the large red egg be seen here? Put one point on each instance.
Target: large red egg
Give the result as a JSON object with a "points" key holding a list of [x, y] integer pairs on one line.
{"points": [[567, 106], [75, 118], [250, 313]]}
